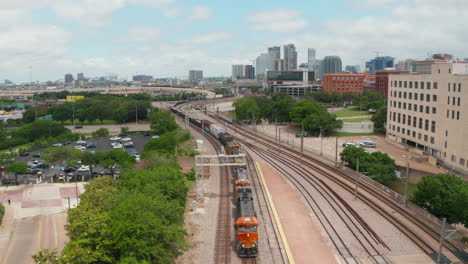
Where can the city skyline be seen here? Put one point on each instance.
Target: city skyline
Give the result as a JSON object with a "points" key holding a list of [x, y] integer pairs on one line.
{"points": [[43, 40]]}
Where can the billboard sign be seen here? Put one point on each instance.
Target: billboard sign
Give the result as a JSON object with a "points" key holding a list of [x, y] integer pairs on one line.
{"points": [[74, 98]]}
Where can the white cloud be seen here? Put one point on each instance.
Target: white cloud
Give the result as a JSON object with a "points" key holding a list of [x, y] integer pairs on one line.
{"points": [[200, 13], [211, 37], [170, 12], [143, 33], [281, 20], [408, 31]]}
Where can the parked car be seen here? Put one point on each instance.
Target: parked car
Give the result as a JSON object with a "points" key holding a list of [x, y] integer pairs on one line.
{"points": [[91, 145], [155, 136], [24, 154], [129, 145], [80, 147], [36, 155], [117, 146], [115, 138], [122, 135], [57, 145], [42, 166], [125, 139], [69, 169], [83, 168], [368, 144], [81, 142], [348, 144], [78, 126], [67, 143]]}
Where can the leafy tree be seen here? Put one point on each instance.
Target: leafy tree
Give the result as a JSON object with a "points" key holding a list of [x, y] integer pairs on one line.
{"points": [[378, 166], [247, 109], [380, 119], [46, 256], [59, 155], [323, 120], [163, 144], [30, 115], [39, 129], [280, 107], [89, 225], [89, 159], [102, 132], [302, 109], [19, 167], [444, 195], [154, 159], [115, 158], [61, 112], [162, 122], [369, 100]]}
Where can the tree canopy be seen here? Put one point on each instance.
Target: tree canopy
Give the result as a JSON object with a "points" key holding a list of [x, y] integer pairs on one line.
{"points": [[377, 165], [444, 195], [162, 122]]}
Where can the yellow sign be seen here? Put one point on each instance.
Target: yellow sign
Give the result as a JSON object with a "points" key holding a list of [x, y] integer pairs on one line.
{"points": [[74, 98]]}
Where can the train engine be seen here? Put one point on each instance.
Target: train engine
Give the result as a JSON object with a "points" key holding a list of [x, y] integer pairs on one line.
{"points": [[246, 224], [232, 147]]}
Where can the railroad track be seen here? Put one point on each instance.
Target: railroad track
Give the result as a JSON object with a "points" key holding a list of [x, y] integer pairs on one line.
{"points": [[271, 235], [340, 177], [363, 234], [249, 261], [223, 245]]}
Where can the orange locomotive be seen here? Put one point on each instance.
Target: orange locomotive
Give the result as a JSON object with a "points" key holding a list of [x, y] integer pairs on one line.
{"points": [[246, 223]]}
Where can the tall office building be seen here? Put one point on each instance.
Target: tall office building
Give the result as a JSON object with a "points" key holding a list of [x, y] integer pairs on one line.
{"points": [[311, 59], [80, 77], [406, 65], [275, 57], [428, 111], [237, 72], [68, 78], [290, 57], [249, 72], [380, 63], [331, 64], [353, 69], [262, 63], [195, 76]]}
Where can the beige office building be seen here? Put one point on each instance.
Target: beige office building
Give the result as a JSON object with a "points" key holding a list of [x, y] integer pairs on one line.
{"points": [[428, 109]]}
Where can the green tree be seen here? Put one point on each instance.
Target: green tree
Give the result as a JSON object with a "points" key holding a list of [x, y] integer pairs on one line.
{"points": [[59, 155], [164, 144], [443, 195], [279, 107], [380, 119], [46, 256], [30, 115], [124, 130], [162, 122], [102, 132], [369, 100], [247, 109], [322, 120], [39, 129], [89, 225], [115, 158], [61, 112], [302, 109], [89, 159], [19, 167]]}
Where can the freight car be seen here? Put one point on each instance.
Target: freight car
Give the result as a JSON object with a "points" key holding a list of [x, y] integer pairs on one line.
{"points": [[246, 224]]}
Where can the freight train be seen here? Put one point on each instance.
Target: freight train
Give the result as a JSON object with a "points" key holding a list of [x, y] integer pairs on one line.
{"points": [[246, 221]]}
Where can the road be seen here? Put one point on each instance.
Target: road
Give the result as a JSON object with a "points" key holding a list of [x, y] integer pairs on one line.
{"points": [[34, 220]]}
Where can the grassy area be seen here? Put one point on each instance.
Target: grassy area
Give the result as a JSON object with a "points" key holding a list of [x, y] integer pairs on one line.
{"points": [[356, 120], [2, 212], [350, 112], [399, 187], [344, 134]]}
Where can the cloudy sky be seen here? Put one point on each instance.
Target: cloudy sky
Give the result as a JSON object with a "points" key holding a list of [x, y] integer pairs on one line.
{"points": [[166, 38]]}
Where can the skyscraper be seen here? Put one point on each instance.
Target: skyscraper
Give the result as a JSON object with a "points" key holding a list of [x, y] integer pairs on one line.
{"points": [[262, 63], [275, 56], [311, 59], [249, 72], [290, 57], [238, 72], [195, 76], [379, 63], [80, 77], [331, 64], [68, 78]]}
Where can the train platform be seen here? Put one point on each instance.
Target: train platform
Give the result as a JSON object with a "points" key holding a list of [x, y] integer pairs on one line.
{"points": [[305, 241]]}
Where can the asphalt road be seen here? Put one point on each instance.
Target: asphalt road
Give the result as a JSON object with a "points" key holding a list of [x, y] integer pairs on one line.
{"points": [[102, 144]]}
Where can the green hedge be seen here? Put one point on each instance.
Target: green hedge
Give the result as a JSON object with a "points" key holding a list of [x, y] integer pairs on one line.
{"points": [[2, 213]]}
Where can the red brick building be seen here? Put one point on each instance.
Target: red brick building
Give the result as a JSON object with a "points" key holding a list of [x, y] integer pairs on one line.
{"points": [[381, 80], [343, 82]]}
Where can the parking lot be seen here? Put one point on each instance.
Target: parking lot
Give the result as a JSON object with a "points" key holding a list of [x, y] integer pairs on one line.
{"points": [[102, 144]]}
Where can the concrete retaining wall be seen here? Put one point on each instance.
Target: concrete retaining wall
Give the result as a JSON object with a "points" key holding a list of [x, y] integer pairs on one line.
{"points": [[363, 127]]}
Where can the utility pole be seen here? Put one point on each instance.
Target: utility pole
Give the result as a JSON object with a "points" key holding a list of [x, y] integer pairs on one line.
{"points": [[406, 182], [302, 140], [443, 237], [73, 115], [357, 179], [321, 142], [279, 140], [336, 152], [276, 130], [136, 113]]}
